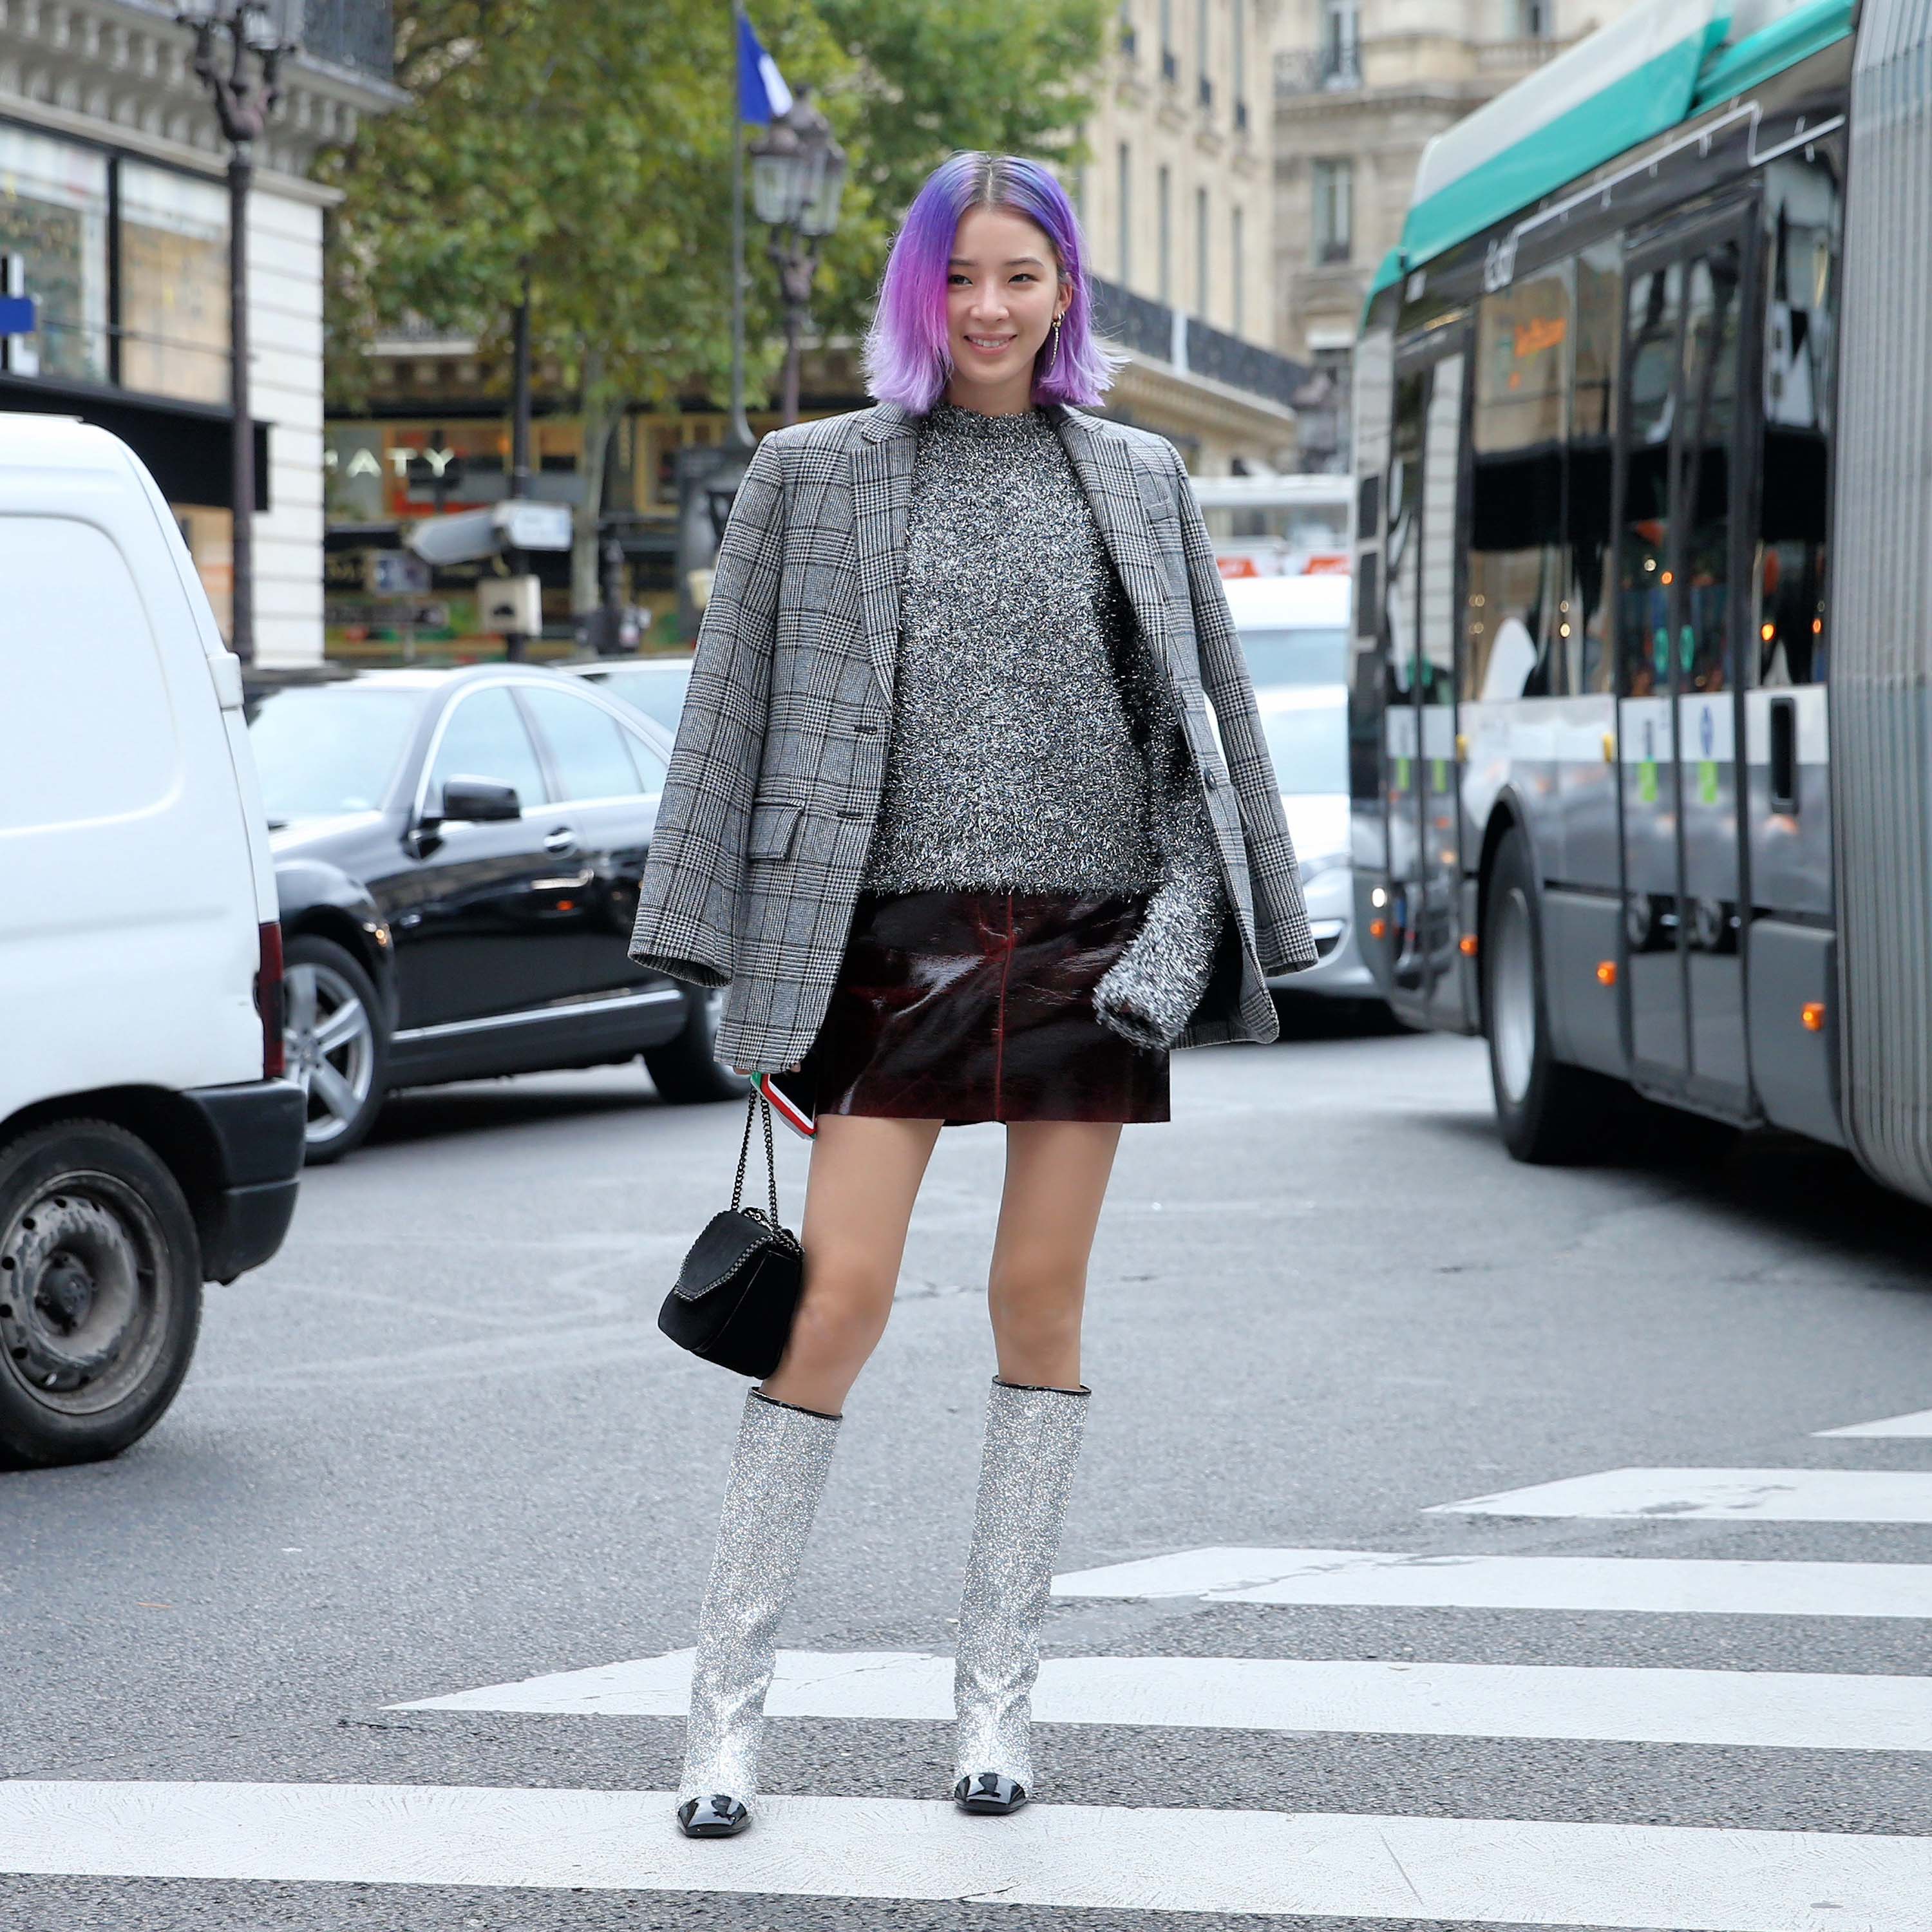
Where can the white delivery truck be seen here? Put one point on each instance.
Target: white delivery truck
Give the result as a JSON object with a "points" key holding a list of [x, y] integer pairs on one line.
{"points": [[148, 1142]]}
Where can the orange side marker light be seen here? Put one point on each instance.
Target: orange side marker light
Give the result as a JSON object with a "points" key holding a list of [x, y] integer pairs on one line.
{"points": [[1378, 928], [1606, 972], [1813, 1014], [1468, 944]]}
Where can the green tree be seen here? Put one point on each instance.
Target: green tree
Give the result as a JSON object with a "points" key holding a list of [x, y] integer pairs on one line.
{"points": [[588, 146]]}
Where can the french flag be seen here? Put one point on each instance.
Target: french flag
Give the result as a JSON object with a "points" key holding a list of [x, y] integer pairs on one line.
{"points": [[763, 95]]}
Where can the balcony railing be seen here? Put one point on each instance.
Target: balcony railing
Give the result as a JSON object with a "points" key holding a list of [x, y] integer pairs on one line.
{"points": [[1317, 70], [1187, 343], [359, 34]]}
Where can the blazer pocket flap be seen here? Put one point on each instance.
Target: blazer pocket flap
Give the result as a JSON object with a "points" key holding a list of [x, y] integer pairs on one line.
{"points": [[773, 825]]}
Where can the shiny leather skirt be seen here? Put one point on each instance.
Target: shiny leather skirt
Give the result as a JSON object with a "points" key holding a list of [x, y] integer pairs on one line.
{"points": [[966, 1005]]}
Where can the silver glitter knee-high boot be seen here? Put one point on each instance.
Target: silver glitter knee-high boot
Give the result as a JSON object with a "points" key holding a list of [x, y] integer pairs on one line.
{"points": [[1026, 1469], [771, 1494]]}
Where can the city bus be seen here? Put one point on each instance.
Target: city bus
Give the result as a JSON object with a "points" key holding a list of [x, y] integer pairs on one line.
{"points": [[1641, 778]]}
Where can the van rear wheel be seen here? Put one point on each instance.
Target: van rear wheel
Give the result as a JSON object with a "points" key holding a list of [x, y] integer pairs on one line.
{"points": [[100, 1293]]}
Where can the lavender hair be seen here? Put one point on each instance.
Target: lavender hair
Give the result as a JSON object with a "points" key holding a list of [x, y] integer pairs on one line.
{"points": [[907, 358]]}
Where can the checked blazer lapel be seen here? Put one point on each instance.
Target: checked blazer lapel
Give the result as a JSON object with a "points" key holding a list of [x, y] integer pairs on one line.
{"points": [[1106, 473], [881, 481]]}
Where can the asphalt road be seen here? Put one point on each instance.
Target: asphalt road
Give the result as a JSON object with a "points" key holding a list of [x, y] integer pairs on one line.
{"points": [[439, 1445]]}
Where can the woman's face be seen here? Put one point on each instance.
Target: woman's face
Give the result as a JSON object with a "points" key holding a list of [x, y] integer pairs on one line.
{"points": [[1003, 296]]}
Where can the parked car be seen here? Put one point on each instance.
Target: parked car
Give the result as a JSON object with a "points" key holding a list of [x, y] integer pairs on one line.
{"points": [[1294, 634], [458, 854], [1294, 630], [656, 686], [148, 1140]]}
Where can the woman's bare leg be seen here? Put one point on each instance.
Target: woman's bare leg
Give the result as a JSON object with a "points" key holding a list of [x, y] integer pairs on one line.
{"points": [[1056, 1180], [864, 1176]]}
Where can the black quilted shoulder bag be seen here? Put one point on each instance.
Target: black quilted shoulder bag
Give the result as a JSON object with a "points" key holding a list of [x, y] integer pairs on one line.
{"points": [[734, 1298]]}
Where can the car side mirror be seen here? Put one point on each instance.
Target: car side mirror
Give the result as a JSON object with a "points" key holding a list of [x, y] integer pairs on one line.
{"points": [[479, 801]]}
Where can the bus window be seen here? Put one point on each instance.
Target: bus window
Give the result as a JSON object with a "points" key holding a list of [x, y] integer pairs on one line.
{"points": [[1655, 298], [1517, 615], [1587, 480], [1711, 320], [1802, 213]]}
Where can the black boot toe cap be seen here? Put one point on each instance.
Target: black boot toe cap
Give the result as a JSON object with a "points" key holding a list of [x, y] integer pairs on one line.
{"points": [[718, 1816], [989, 1791]]}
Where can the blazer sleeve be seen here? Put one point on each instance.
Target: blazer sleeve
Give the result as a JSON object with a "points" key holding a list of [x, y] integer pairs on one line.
{"points": [[1281, 936], [693, 872]]}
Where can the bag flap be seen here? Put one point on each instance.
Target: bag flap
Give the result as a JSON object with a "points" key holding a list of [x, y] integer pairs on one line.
{"points": [[730, 1238]]}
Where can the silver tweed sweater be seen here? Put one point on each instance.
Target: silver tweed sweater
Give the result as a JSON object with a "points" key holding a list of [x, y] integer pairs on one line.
{"points": [[1034, 743]]}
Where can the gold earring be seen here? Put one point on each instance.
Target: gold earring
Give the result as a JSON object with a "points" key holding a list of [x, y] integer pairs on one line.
{"points": [[1053, 361]]}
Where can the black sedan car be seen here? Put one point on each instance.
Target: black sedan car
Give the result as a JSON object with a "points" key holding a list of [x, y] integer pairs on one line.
{"points": [[458, 854]]}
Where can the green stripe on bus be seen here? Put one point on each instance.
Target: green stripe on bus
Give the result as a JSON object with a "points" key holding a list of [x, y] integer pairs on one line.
{"points": [[1800, 34], [1648, 101]]}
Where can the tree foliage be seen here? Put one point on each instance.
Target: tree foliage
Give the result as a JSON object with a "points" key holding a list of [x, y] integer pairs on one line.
{"points": [[588, 144]]}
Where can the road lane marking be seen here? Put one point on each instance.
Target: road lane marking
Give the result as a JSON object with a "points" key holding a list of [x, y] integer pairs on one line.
{"points": [[1919, 1424], [1755, 1495], [1515, 1872], [1777, 1709], [1709, 1587]]}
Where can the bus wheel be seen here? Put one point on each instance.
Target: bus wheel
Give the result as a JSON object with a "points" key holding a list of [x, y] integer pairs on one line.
{"points": [[1548, 1112]]}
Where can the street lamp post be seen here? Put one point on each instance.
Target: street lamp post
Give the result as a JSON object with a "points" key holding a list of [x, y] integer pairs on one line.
{"points": [[245, 78], [798, 172]]}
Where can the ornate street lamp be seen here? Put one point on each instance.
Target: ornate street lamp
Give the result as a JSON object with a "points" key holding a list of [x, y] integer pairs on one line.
{"points": [[798, 173], [239, 47]]}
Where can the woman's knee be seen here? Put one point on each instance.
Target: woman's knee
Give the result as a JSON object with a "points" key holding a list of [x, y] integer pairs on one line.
{"points": [[843, 1311], [1040, 1311]]}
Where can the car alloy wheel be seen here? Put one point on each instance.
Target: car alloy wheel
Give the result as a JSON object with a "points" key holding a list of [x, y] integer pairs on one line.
{"points": [[331, 1049]]}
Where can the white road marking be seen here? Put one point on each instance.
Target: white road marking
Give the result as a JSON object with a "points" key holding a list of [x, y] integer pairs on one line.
{"points": [[1919, 1424], [1707, 1587], [1757, 1495], [1774, 1709], [1317, 1864]]}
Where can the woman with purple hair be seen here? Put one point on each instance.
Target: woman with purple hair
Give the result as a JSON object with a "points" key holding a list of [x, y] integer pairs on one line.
{"points": [[947, 815]]}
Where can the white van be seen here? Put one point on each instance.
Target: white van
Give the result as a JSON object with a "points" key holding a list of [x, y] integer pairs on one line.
{"points": [[148, 1142]]}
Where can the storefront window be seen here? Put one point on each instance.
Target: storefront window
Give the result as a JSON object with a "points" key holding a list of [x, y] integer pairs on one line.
{"points": [[53, 213], [174, 285]]}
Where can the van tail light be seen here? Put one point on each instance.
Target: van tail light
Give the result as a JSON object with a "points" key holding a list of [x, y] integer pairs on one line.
{"points": [[269, 1002]]}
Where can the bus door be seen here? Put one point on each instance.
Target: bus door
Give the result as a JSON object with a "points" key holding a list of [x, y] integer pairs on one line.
{"points": [[1683, 457], [1432, 980]]}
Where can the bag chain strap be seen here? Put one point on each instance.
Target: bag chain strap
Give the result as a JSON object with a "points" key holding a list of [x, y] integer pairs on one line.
{"points": [[756, 1098]]}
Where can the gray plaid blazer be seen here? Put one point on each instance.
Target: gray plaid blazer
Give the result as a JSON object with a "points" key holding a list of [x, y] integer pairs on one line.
{"points": [[775, 778]]}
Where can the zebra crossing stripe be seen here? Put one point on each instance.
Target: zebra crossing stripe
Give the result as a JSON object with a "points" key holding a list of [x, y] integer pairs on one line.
{"points": [[1916, 1425], [1709, 1587], [1777, 1709], [1744, 1496], [1503, 1871]]}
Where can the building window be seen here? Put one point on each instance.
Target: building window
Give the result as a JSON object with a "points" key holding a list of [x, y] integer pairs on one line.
{"points": [[1170, 62], [53, 216], [1534, 20], [1123, 197], [1237, 63], [174, 284], [1203, 63], [1341, 43], [1201, 253], [1237, 250], [1164, 215], [1334, 210], [1129, 41]]}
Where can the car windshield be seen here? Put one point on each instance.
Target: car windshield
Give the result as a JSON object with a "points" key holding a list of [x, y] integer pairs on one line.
{"points": [[656, 690], [1307, 738], [321, 751], [1299, 655]]}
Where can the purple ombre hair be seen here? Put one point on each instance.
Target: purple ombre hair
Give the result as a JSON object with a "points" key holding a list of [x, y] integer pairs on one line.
{"points": [[907, 360]]}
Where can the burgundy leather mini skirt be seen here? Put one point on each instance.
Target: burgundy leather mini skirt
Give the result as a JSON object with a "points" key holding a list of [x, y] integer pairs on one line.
{"points": [[971, 1006]]}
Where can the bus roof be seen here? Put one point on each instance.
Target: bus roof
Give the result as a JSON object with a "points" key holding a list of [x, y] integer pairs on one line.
{"points": [[1658, 65]]}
